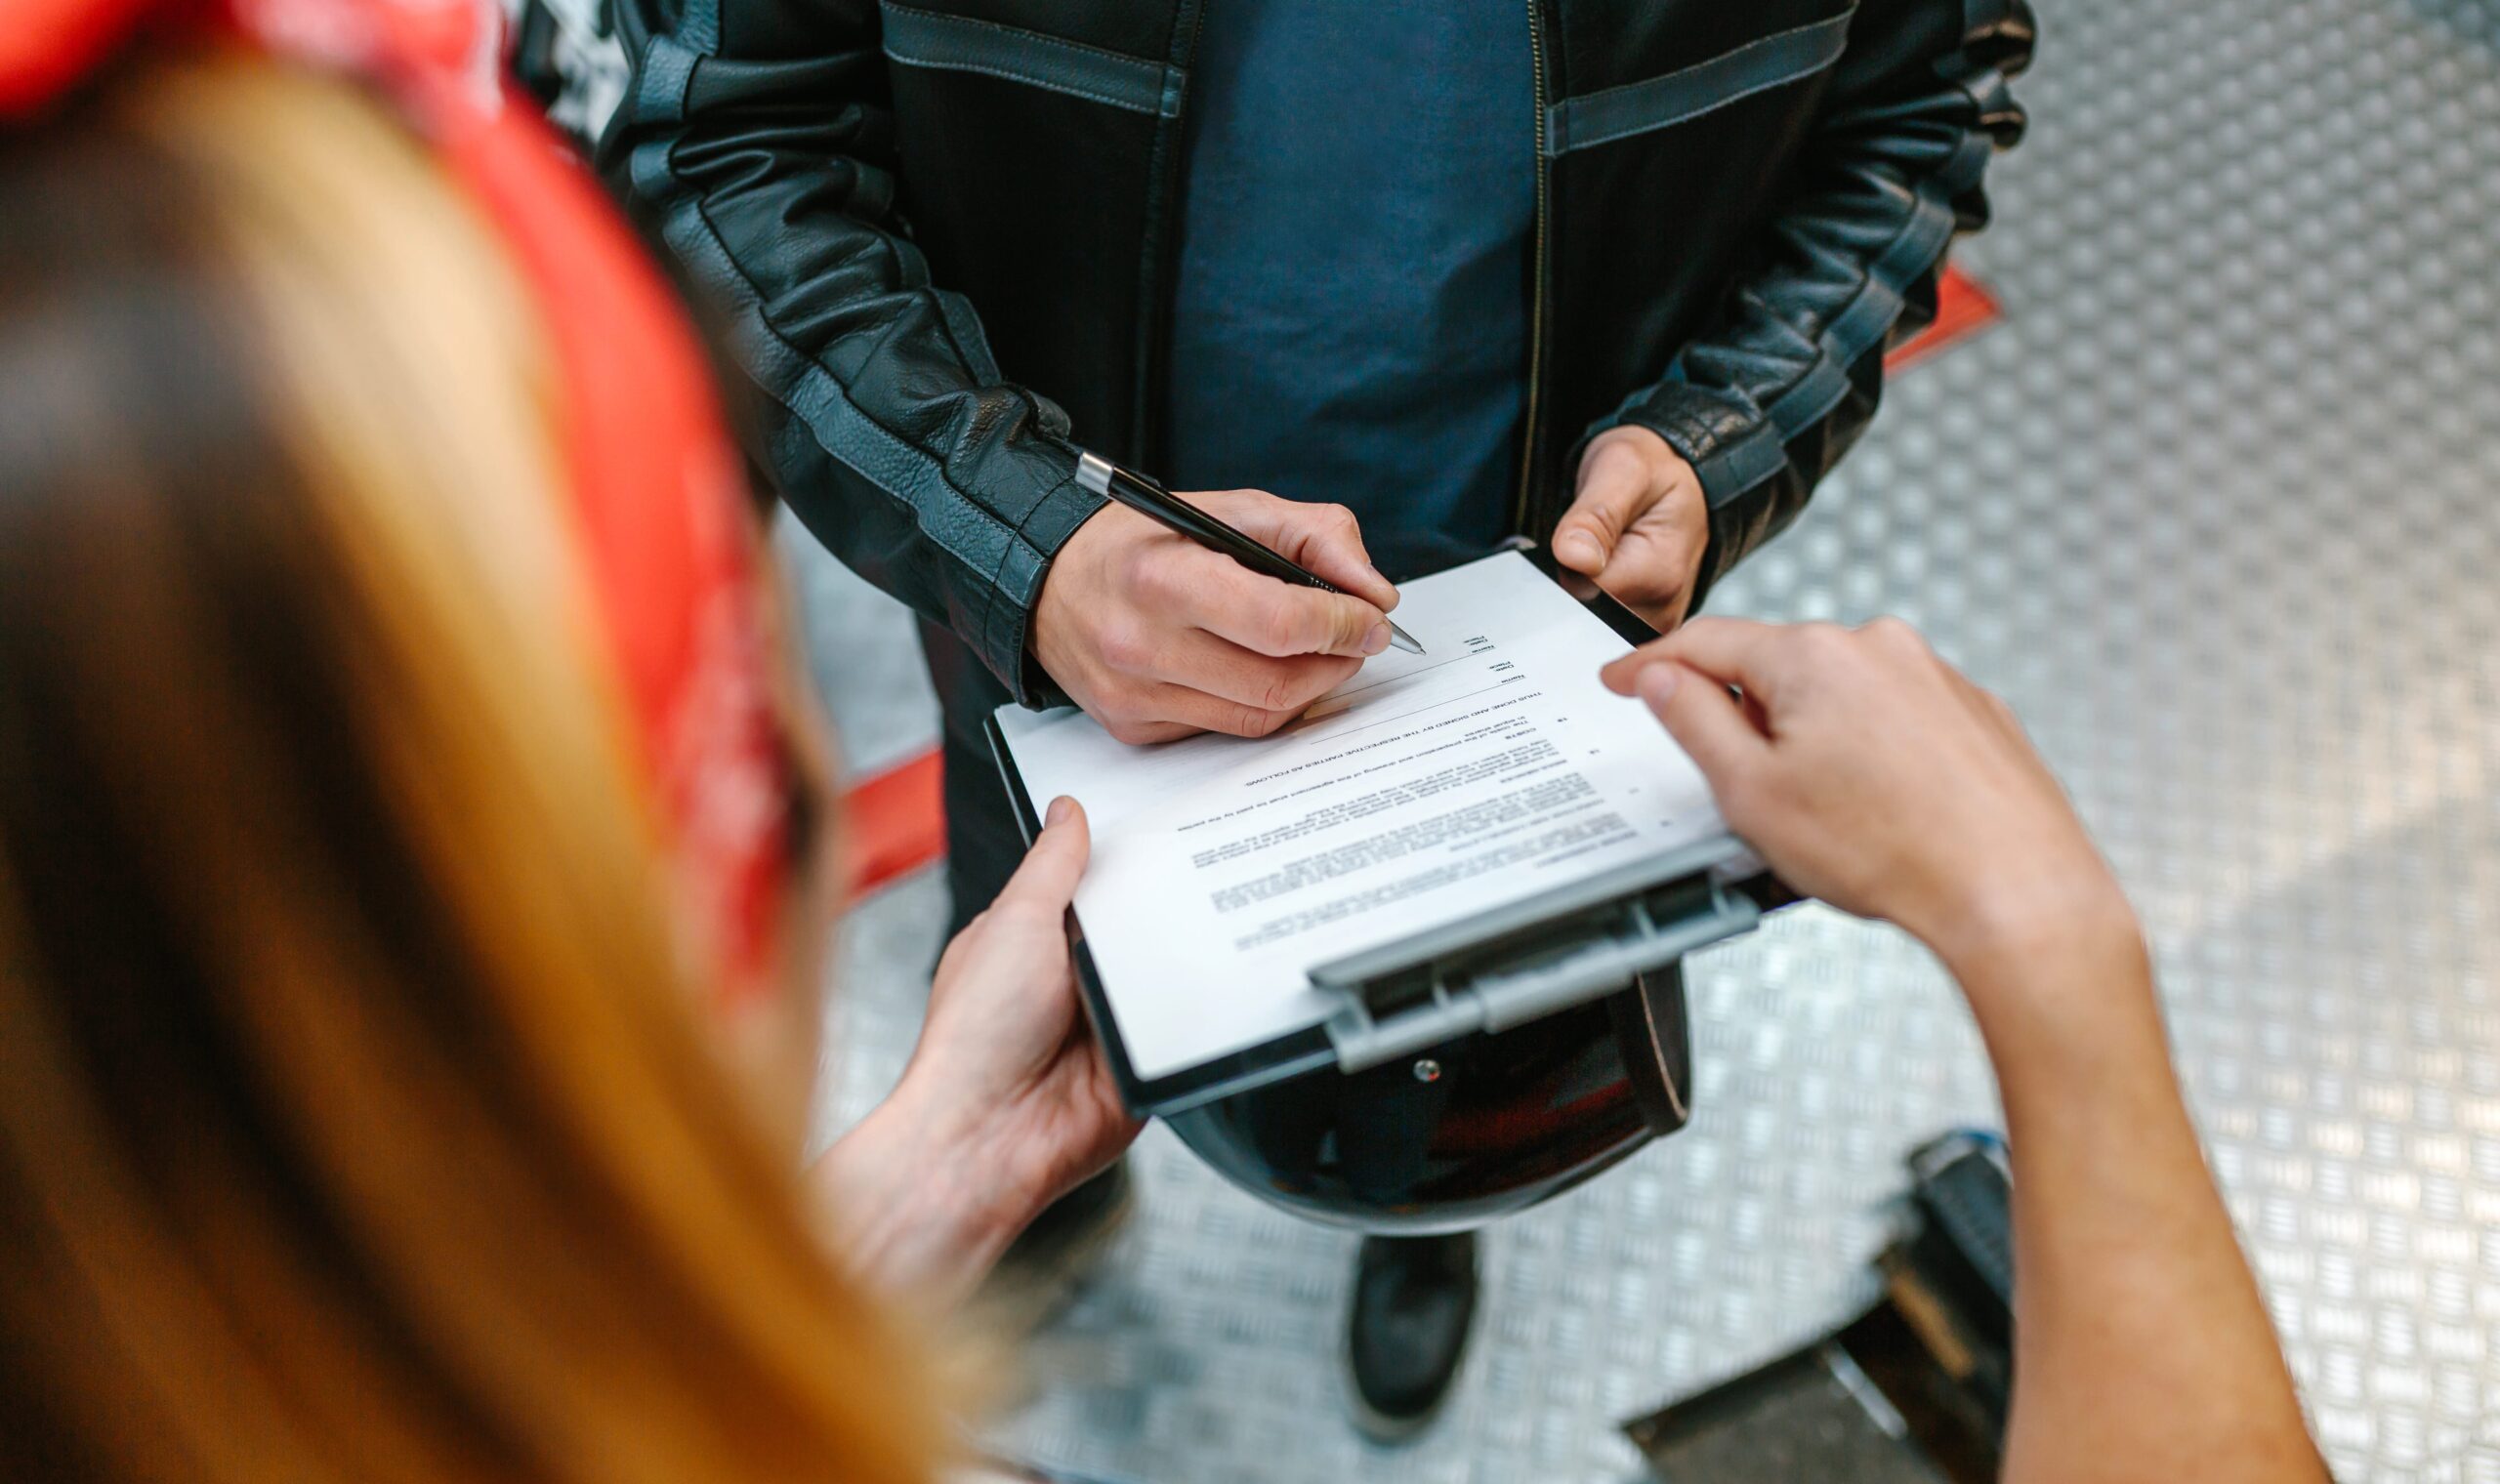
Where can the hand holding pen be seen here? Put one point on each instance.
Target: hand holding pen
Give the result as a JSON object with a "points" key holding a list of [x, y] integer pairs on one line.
{"points": [[1158, 635], [1159, 504]]}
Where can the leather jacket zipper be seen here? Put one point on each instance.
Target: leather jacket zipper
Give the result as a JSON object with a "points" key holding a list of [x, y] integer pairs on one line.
{"points": [[1161, 265], [1536, 294]]}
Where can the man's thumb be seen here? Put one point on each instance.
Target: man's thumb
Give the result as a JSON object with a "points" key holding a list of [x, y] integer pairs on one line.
{"points": [[1605, 506]]}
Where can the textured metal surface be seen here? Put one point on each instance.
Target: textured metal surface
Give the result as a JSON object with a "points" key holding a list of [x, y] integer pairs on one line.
{"points": [[1818, 1419], [2218, 510], [864, 651]]}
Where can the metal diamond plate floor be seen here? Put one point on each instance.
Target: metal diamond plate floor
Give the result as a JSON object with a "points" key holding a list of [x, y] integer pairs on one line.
{"points": [[2218, 509]]}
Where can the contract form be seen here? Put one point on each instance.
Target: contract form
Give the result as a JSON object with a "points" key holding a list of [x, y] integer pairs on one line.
{"points": [[1426, 789]]}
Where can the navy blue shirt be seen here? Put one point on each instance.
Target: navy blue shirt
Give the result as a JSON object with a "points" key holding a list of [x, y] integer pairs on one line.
{"points": [[1351, 313]]}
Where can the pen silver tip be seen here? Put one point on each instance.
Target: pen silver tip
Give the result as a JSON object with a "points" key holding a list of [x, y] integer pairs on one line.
{"points": [[1094, 473], [1402, 639]]}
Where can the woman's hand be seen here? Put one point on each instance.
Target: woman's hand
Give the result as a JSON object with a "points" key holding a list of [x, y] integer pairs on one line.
{"points": [[1870, 774], [1007, 1102], [1005, 1056]]}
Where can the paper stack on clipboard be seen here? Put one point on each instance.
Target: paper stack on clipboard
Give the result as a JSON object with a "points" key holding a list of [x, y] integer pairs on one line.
{"points": [[1469, 788]]}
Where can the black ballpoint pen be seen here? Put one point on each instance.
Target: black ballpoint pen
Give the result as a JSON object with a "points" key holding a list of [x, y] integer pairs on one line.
{"points": [[1159, 504]]}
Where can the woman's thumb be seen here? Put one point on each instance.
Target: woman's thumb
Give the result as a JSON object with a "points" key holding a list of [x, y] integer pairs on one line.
{"points": [[1056, 863], [1703, 718]]}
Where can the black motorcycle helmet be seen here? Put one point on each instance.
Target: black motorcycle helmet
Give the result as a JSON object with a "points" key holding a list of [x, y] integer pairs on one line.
{"points": [[1461, 1133], [1483, 1126]]}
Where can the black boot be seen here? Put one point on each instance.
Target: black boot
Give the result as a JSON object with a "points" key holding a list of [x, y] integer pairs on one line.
{"points": [[1414, 1302]]}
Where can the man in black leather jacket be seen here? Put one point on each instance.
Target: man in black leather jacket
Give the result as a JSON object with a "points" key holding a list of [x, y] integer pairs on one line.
{"points": [[946, 240]]}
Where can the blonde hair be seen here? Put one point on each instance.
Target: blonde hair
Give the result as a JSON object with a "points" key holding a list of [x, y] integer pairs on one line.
{"points": [[353, 1119]]}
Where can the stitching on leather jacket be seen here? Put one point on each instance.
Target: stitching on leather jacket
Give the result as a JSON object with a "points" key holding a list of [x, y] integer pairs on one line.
{"points": [[962, 44], [1659, 102], [1858, 329], [818, 402], [668, 70]]}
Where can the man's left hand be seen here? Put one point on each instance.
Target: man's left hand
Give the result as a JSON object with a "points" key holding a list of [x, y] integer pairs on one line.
{"points": [[1637, 525]]}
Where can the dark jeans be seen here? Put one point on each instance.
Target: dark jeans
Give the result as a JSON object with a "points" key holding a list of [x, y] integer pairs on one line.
{"points": [[982, 840]]}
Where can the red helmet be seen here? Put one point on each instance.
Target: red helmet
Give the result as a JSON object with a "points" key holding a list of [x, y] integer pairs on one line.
{"points": [[657, 488]]}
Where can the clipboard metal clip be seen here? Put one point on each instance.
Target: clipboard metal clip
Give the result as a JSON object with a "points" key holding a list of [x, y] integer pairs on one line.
{"points": [[1545, 955]]}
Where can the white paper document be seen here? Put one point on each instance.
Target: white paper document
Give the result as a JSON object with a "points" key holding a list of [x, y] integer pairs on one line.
{"points": [[1426, 789]]}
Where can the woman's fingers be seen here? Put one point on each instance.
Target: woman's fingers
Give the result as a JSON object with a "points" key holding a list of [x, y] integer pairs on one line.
{"points": [[1733, 652], [1705, 720]]}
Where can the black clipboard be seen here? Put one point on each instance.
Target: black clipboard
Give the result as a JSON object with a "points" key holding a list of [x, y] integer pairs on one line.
{"points": [[1313, 1047]]}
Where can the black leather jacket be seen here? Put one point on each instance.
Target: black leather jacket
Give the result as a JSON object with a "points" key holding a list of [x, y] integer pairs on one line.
{"points": [[941, 235]]}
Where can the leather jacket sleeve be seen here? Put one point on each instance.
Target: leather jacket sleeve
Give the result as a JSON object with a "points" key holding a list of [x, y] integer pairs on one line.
{"points": [[755, 142], [1779, 383]]}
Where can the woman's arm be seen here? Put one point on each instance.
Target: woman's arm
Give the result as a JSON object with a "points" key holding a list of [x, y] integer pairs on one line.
{"points": [[2142, 1344], [1007, 1103], [1870, 774]]}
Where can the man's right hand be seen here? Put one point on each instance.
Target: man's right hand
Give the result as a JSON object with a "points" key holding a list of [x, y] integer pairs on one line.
{"points": [[1157, 638]]}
